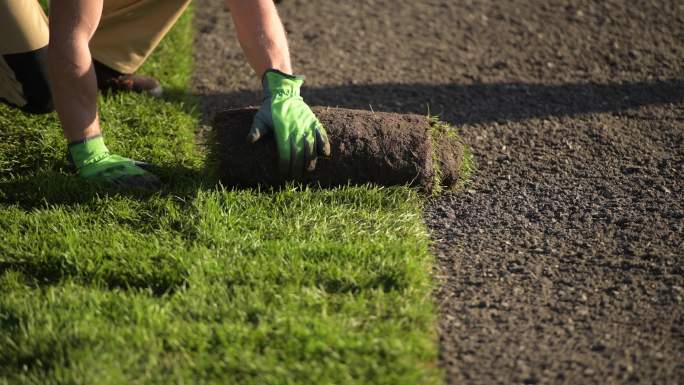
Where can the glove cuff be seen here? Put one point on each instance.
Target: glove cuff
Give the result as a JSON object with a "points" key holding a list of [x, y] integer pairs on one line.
{"points": [[87, 151], [282, 74], [276, 82]]}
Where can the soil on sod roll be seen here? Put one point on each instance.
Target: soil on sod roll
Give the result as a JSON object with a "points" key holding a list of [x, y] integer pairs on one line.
{"points": [[366, 147]]}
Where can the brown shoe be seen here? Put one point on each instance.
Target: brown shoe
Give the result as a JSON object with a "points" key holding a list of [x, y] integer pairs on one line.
{"points": [[109, 79]]}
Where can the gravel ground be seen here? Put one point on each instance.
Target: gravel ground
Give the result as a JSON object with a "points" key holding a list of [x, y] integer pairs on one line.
{"points": [[562, 262]]}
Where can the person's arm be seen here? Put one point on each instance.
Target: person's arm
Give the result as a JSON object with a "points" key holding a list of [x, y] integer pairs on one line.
{"points": [[74, 92], [299, 135], [70, 66], [261, 35]]}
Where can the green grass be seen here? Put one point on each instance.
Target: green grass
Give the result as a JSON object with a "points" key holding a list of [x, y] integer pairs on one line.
{"points": [[199, 284], [440, 130]]}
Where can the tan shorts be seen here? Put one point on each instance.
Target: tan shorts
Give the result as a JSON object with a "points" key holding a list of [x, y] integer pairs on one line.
{"points": [[128, 32]]}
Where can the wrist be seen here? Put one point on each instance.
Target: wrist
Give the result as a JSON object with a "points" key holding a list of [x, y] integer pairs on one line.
{"points": [[278, 66], [87, 151]]}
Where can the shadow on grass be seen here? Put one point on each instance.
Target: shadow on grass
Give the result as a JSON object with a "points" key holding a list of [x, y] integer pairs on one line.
{"points": [[158, 274], [460, 104], [56, 188], [164, 275]]}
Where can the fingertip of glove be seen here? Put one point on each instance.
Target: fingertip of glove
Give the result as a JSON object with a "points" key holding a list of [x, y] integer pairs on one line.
{"points": [[296, 160], [322, 143], [143, 181], [325, 151], [311, 164]]}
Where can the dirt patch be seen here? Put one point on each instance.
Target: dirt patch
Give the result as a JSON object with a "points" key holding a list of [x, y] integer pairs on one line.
{"points": [[386, 149], [562, 263]]}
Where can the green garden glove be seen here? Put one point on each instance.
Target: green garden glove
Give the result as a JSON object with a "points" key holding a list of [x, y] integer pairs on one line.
{"points": [[300, 137], [94, 162]]}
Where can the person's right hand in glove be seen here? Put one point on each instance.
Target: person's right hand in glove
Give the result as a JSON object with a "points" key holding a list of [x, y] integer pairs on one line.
{"points": [[94, 162]]}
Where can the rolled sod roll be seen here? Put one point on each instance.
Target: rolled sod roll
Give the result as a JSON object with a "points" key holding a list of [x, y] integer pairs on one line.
{"points": [[380, 148]]}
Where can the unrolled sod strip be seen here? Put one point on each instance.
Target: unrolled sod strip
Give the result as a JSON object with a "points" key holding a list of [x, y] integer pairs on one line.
{"points": [[367, 147]]}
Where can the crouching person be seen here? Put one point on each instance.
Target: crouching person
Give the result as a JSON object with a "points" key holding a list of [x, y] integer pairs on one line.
{"points": [[99, 44]]}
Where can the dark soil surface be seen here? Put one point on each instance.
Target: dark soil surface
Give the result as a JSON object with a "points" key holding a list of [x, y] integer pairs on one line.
{"points": [[563, 262], [382, 148]]}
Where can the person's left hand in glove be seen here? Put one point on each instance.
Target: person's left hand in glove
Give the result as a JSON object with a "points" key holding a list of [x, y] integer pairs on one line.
{"points": [[300, 137]]}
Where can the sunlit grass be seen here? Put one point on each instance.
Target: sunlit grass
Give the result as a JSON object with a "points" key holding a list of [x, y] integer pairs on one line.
{"points": [[196, 283]]}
